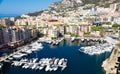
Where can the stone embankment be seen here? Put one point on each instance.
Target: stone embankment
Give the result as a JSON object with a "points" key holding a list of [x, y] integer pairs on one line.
{"points": [[110, 63]]}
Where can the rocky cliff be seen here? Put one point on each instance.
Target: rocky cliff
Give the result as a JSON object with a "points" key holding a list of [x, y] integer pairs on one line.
{"points": [[110, 63]]}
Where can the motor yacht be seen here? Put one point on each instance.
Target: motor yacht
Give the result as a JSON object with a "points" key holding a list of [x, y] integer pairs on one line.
{"points": [[1, 65]]}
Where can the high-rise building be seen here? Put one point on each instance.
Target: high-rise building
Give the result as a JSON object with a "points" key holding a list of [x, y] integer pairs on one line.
{"points": [[5, 35]]}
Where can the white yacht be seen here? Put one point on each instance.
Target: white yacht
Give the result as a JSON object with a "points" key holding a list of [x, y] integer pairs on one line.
{"points": [[56, 61], [29, 51], [34, 60], [63, 68], [82, 39], [34, 66], [1, 65], [49, 41], [72, 39], [47, 68], [41, 67], [54, 67], [26, 66]]}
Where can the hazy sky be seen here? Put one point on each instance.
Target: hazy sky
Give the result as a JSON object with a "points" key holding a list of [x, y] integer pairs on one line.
{"points": [[23, 6]]}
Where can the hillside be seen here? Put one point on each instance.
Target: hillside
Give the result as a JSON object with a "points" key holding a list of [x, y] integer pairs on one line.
{"points": [[71, 5], [66, 5]]}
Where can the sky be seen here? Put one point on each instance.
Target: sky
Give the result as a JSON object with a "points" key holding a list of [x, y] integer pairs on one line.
{"points": [[23, 6]]}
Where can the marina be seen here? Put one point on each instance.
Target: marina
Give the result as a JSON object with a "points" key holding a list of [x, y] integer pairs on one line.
{"points": [[60, 37], [63, 58]]}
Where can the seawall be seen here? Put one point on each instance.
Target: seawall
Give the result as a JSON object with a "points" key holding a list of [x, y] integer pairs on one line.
{"points": [[110, 63]]}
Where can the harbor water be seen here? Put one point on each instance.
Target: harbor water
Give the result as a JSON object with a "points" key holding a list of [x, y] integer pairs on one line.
{"points": [[78, 62]]}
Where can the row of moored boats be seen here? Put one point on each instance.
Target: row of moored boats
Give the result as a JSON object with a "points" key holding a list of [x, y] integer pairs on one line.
{"points": [[97, 49], [27, 50], [88, 39], [49, 64], [49, 41]]}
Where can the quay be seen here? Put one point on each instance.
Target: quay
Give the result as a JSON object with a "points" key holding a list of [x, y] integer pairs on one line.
{"points": [[8, 56]]}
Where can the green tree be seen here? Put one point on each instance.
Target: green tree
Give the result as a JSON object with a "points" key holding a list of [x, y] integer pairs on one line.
{"points": [[116, 25], [1, 26], [95, 28], [98, 28], [108, 23]]}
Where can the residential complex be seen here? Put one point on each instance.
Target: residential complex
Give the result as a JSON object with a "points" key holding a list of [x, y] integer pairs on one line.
{"points": [[14, 37]]}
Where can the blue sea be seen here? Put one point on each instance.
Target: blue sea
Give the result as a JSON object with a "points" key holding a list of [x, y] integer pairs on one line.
{"points": [[8, 15], [78, 62]]}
